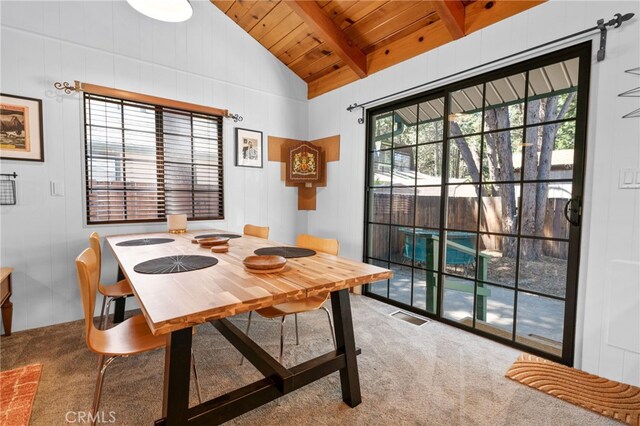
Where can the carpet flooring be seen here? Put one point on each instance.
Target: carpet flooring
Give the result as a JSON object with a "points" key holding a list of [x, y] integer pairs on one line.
{"points": [[428, 375]]}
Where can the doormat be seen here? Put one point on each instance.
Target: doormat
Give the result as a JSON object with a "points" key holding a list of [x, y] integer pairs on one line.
{"points": [[607, 397]]}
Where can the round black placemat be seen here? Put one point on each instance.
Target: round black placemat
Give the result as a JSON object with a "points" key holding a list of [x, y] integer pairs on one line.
{"points": [[174, 264], [286, 252], [145, 242], [218, 235]]}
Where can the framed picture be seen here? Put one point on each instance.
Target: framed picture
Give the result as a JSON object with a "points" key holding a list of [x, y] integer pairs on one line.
{"points": [[21, 128], [248, 148]]}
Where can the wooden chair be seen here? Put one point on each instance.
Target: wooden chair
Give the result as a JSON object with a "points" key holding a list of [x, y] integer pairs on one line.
{"points": [[130, 337], [299, 306], [111, 292], [256, 231]]}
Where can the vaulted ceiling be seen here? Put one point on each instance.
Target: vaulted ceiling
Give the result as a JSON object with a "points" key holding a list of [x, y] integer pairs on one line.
{"points": [[330, 43]]}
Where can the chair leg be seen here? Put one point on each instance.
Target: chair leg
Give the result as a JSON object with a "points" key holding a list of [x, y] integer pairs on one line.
{"points": [[333, 336], [296, 319], [195, 377], [106, 313], [102, 367], [282, 337], [247, 333], [104, 301]]}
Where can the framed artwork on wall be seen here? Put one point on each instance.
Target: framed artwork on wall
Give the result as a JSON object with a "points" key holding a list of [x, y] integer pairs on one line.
{"points": [[21, 128], [248, 148]]}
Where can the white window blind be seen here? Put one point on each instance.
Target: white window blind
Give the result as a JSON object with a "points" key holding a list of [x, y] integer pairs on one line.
{"points": [[145, 161]]}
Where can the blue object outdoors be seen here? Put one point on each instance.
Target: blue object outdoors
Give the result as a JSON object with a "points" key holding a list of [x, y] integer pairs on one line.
{"points": [[461, 250], [424, 255]]}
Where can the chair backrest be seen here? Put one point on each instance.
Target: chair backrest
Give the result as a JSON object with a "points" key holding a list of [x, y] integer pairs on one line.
{"points": [[325, 245], [88, 278], [256, 231], [94, 243]]}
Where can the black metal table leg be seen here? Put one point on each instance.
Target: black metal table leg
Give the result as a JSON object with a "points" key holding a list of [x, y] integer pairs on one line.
{"points": [[346, 344], [177, 368], [118, 312]]}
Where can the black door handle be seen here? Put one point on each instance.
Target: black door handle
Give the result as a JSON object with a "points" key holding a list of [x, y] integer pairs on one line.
{"points": [[572, 211]]}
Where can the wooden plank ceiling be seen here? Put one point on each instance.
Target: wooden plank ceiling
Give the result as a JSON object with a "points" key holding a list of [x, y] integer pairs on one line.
{"points": [[330, 43]]}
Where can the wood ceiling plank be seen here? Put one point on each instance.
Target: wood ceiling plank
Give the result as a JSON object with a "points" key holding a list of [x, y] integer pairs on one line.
{"points": [[336, 7], [404, 32], [271, 20], [239, 8], [282, 30], [378, 18], [257, 12], [397, 23], [324, 59], [310, 57], [223, 5], [290, 40], [300, 47], [321, 24], [357, 12], [329, 82], [452, 15], [328, 70], [420, 41], [482, 13]]}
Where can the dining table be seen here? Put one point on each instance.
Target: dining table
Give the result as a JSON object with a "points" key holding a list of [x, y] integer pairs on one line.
{"points": [[175, 302]]}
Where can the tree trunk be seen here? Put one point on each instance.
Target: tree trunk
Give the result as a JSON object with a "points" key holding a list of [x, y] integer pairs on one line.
{"points": [[549, 134], [470, 157], [495, 119], [530, 172]]}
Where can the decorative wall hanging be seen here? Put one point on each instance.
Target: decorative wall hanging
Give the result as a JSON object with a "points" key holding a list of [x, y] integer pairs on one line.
{"points": [[308, 170], [303, 164], [248, 148], [21, 128]]}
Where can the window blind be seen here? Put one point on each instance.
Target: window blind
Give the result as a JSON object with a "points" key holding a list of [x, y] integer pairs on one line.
{"points": [[145, 161]]}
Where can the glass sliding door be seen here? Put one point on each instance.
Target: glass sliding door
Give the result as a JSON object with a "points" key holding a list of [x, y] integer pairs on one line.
{"points": [[472, 198]]}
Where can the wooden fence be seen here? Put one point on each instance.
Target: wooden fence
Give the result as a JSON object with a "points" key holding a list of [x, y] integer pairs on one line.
{"points": [[462, 214]]}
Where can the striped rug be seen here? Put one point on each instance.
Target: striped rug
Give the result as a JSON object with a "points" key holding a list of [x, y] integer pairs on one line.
{"points": [[612, 399], [17, 391]]}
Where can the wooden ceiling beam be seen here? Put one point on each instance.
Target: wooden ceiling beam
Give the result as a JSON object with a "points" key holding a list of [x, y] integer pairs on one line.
{"points": [[324, 27], [452, 15], [478, 15]]}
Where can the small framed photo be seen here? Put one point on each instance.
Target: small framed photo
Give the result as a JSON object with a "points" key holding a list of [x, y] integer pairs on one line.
{"points": [[21, 128], [248, 148]]}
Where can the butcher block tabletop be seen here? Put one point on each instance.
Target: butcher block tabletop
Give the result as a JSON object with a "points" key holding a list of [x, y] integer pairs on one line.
{"points": [[174, 301]]}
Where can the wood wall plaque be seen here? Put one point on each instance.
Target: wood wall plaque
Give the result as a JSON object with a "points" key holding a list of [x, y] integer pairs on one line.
{"points": [[279, 149]]}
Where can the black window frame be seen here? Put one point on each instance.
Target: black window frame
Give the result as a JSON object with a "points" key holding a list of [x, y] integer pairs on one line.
{"points": [[160, 161], [583, 51]]}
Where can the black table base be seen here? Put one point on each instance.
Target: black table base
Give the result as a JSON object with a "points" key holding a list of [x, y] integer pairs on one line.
{"points": [[278, 380]]}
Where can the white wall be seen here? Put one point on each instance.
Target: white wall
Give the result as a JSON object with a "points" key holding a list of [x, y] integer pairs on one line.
{"points": [[608, 337], [208, 60]]}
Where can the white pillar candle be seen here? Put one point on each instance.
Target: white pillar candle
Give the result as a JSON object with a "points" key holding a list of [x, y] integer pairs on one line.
{"points": [[177, 222]]}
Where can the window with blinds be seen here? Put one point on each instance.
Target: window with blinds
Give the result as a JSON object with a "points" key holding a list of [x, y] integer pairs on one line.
{"points": [[145, 161]]}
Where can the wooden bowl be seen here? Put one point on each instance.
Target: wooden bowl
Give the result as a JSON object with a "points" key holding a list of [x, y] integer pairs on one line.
{"points": [[210, 242], [220, 249], [264, 262]]}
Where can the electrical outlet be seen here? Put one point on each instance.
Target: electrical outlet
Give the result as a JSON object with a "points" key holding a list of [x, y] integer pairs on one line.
{"points": [[629, 178]]}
